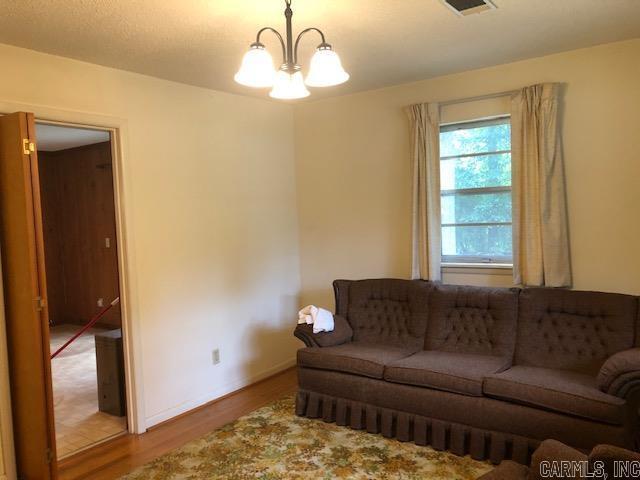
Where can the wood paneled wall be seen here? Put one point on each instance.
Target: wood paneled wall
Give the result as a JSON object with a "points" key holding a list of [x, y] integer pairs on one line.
{"points": [[79, 215]]}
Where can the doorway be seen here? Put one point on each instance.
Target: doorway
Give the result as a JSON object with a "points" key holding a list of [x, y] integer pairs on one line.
{"points": [[25, 292], [81, 260]]}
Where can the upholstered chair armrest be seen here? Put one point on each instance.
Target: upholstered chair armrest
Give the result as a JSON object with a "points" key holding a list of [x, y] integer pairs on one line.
{"points": [[620, 374], [607, 455], [507, 470], [342, 333], [553, 451], [610, 452]]}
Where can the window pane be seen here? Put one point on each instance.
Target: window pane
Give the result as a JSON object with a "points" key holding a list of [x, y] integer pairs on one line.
{"points": [[490, 138], [476, 172], [486, 241], [470, 199], [483, 208]]}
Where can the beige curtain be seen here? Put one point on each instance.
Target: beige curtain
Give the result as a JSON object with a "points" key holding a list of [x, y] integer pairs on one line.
{"points": [[425, 133], [540, 230]]}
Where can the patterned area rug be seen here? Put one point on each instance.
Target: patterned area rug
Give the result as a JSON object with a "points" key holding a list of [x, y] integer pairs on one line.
{"points": [[272, 443]]}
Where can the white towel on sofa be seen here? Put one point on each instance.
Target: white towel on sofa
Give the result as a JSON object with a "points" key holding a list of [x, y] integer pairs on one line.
{"points": [[306, 314], [321, 319]]}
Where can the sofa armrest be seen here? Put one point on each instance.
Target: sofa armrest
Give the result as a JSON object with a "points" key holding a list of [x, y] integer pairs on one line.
{"points": [[342, 333], [553, 451], [620, 374]]}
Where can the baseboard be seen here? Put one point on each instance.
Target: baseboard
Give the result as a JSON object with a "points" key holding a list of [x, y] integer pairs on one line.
{"points": [[215, 394]]}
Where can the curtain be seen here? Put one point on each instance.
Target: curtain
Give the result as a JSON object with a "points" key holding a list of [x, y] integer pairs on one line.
{"points": [[540, 230], [425, 134]]}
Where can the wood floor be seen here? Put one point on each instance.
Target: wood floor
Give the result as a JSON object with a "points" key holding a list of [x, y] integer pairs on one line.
{"points": [[123, 454]]}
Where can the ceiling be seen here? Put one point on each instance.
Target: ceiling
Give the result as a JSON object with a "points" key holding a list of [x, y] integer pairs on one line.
{"points": [[52, 138], [381, 42]]}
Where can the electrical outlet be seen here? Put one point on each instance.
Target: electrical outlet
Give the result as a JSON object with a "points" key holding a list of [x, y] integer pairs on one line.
{"points": [[215, 356], [100, 302]]}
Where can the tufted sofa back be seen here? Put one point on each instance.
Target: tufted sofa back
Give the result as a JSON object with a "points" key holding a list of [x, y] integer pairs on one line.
{"points": [[385, 311], [476, 320], [573, 330]]}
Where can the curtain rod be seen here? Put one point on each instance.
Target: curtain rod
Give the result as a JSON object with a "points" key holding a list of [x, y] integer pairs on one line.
{"points": [[477, 98]]}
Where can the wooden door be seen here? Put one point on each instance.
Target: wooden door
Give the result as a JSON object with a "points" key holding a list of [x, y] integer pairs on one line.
{"points": [[22, 253]]}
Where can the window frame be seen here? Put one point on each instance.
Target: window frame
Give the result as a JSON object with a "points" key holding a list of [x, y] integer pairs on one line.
{"points": [[475, 260]]}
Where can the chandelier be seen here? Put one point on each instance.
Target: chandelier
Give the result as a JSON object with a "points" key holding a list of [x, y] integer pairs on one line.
{"points": [[287, 82]]}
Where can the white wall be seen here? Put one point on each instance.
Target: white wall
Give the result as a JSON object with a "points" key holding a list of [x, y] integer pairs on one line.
{"points": [[211, 221], [354, 176]]}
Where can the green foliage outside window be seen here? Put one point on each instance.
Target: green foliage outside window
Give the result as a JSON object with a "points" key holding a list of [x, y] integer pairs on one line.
{"points": [[477, 207]]}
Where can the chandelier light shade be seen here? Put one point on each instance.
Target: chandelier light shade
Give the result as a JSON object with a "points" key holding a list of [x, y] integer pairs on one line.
{"points": [[257, 69], [289, 86], [326, 69]]}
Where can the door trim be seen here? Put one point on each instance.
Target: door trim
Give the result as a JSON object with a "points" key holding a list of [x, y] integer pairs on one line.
{"points": [[117, 127]]}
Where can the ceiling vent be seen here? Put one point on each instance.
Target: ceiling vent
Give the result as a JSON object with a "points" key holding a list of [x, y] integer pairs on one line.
{"points": [[469, 7]]}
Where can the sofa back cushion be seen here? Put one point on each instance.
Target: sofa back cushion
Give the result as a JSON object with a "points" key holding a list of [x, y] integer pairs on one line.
{"points": [[472, 320], [392, 312], [573, 330]]}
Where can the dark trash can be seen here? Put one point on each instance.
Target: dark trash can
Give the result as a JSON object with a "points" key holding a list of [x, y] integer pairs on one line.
{"points": [[110, 367]]}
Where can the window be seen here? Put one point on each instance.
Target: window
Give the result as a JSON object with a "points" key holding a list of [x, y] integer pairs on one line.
{"points": [[475, 182]]}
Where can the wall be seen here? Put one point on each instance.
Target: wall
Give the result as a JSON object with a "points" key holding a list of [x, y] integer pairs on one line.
{"points": [[354, 176], [78, 214], [210, 221]]}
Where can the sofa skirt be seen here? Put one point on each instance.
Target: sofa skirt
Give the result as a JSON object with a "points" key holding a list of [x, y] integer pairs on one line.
{"points": [[459, 439], [483, 427]]}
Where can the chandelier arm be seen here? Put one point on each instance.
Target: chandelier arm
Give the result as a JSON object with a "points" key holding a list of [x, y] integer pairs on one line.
{"points": [[277, 34], [312, 29]]}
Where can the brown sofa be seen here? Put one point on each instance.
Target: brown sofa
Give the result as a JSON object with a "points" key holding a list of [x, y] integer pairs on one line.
{"points": [[483, 371]]}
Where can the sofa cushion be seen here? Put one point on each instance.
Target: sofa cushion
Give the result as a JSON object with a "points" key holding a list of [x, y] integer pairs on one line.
{"points": [[454, 372], [356, 358], [573, 330], [472, 320], [562, 391], [389, 311]]}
